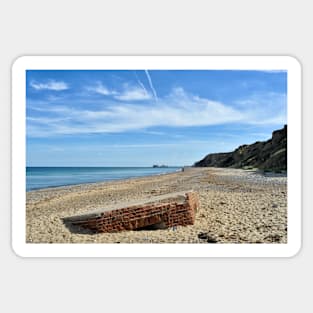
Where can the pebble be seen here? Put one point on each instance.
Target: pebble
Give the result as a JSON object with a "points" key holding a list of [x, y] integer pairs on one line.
{"points": [[235, 206]]}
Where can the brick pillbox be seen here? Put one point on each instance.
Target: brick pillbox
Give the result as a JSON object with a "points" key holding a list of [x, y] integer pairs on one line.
{"points": [[157, 212]]}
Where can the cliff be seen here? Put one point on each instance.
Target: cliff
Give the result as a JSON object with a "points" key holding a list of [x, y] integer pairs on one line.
{"points": [[267, 155]]}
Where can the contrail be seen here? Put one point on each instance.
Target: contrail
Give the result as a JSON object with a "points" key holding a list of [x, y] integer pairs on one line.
{"points": [[151, 86], [141, 84]]}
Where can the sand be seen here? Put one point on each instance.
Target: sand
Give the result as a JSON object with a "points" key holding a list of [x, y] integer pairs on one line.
{"points": [[236, 206]]}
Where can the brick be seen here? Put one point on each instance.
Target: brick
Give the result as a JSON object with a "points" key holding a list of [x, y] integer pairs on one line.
{"points": [[171, 213]]}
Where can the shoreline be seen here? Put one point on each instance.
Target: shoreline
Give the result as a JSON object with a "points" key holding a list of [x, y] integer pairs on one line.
{"points": [[236, 206], [179, 169], [102, 181]]}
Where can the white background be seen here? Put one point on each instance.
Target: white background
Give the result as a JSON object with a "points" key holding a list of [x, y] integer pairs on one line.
{"points": [[159, 27]]}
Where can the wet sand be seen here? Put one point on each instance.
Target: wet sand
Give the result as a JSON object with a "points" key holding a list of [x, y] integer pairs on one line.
{"points": [[236, 206]]}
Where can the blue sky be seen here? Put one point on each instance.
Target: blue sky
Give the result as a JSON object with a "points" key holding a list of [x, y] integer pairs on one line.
{"points": [[145, 117]]}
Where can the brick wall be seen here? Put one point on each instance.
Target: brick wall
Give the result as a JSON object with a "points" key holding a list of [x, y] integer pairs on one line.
{"points": [[171, 213]]}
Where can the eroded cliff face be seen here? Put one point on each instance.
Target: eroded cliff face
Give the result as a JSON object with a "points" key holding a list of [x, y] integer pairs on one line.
{"points": [[270, 154]]}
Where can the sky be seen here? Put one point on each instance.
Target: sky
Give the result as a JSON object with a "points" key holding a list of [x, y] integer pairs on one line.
{"points": [[146, 117]]}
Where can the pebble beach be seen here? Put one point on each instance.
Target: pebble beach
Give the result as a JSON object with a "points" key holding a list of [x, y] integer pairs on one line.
{"points": [[236, 206]]}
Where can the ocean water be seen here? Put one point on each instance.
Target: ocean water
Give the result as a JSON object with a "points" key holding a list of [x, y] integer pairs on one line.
{"points": [[44, 177]]}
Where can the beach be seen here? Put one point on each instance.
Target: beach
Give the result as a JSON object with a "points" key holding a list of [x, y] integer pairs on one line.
{"points": [[236, 206]]}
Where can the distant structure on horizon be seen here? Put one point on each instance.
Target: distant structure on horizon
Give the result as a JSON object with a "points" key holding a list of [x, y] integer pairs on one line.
{"points": [[159, 166]]}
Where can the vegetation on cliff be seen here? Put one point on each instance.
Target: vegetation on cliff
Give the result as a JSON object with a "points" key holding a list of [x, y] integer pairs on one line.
{"points": [[266, 155]]}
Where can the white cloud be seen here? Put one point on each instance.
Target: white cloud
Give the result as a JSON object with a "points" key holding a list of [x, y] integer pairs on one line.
{"points": [[101, 89], [50, 85], [259, 108], [273, 71], [129, 93], [140, 83], [151, 86], [178, 109], [132, 94]]}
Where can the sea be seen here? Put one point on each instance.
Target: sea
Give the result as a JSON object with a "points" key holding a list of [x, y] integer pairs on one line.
{"points": [[45, 177]]}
